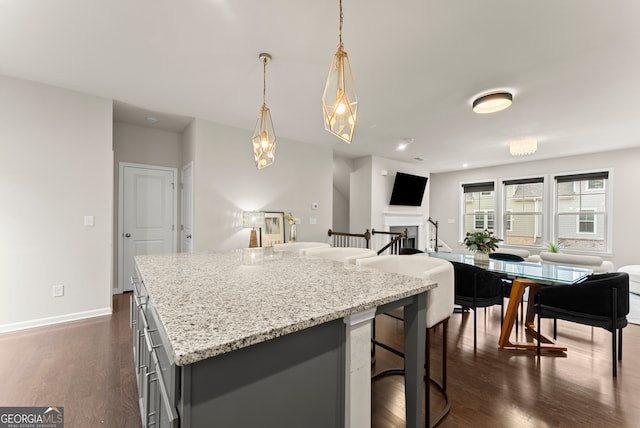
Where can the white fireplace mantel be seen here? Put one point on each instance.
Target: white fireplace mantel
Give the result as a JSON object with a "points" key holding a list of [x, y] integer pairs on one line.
{"points": [[390, 219]]}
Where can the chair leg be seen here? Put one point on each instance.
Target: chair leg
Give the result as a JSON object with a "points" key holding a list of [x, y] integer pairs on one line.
{"points": [[613, 353], [445, 327], [620, 344], [539, 332], [475, 327], [555, 328]]}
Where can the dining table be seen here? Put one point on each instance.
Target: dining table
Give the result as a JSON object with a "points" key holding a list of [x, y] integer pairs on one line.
{"points": [[523, 275]]}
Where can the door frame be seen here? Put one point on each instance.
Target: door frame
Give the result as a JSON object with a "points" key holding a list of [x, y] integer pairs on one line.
{"points": [[182, 205], [121, 166]]}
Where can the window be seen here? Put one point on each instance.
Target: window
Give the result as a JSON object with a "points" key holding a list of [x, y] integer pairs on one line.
{"points": [[478, 207], [581, 209], [586, 223], [524, 205], [508, 221], [483, 220]]}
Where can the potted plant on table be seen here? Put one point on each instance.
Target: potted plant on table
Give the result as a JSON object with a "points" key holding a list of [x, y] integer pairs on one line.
{"points": [[481, 243]]}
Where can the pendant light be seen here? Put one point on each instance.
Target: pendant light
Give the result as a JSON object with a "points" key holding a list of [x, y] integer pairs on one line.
{"points": [[264, 139], [339, 101]]}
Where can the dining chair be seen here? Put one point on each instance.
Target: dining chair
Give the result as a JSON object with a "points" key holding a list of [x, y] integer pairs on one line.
{"points": [[405, 251], [348, 255], [439, 304], [477, 288], [295, 247], [602, 300]]}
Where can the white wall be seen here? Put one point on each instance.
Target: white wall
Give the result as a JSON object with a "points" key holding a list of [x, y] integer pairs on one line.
{"points": [[371, 191], [226, 182], [138, 144], [56, 166], [624, 180]]}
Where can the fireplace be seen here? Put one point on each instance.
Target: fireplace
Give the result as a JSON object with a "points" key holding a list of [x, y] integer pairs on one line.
{"points": [[412, 234], [413, 222]]}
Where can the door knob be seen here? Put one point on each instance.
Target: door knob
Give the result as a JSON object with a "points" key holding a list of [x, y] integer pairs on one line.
{"points": [[188, 236], [127, 235]]}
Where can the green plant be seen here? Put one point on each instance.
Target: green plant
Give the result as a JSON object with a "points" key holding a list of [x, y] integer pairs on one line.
{"points": [[553, 248], [483, 241]]}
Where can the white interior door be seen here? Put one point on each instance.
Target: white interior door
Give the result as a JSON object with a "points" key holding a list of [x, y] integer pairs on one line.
{"points": [[147, 215], [187, 208]]}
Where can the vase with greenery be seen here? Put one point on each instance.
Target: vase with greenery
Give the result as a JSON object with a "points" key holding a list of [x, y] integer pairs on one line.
{"points": [[481, 243]]}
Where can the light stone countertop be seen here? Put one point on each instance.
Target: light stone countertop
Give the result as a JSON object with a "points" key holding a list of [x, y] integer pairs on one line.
{"points": [[210, 304]]}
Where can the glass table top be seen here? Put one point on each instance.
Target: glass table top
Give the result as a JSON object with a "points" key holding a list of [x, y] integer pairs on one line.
{"points": [[546, 272]]}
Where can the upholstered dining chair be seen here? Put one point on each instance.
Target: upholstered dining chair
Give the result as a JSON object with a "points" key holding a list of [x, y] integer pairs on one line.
{"points": [[405, 251], [477, 288], [439, 302], [602, 300], [295, 247], [348, 255]]}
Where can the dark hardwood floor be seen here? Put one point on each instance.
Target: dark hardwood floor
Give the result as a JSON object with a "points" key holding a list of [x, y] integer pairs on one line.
{"points": [[87, 367]]}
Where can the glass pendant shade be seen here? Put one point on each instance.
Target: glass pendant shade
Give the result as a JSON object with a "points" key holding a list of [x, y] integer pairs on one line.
{"points": [[264, 139], [339, 101]]}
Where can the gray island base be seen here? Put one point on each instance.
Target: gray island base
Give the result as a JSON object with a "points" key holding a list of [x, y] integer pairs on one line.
{"points": [[284, 344]]}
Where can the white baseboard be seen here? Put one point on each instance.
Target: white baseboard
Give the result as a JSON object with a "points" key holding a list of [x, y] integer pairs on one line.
{"points": [[54, 320]]}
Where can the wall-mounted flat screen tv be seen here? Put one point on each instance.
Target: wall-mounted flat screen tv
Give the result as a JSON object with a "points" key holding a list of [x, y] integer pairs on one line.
{"points": [[408, 190]]}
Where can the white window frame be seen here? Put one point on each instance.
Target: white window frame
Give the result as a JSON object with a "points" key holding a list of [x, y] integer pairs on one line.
{"points": [[608, 211]]}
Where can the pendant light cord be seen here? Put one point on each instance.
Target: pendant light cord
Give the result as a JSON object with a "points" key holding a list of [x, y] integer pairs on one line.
{"points": [[264, 80], [340, 45]]}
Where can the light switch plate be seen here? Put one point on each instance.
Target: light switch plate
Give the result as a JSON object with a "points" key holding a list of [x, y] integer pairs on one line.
{"points": [[88, 220], [313, 220]]}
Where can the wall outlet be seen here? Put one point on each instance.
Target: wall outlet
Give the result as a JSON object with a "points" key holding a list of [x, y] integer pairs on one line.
{"points": [[58, 290], [313, 220]]}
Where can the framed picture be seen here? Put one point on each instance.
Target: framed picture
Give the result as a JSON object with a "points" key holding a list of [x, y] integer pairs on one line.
{"points": [[273, 231]]}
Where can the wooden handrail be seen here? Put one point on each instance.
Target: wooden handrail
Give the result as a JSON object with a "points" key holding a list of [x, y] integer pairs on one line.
{"points": [[394, 241], [366, 235], [435, 224]]}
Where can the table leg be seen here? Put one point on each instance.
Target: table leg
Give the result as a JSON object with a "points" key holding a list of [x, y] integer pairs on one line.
{"points": [[517, 291], [414, 343]]}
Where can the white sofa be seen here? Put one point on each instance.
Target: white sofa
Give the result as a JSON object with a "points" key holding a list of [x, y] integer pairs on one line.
{"points": [[596, 263]]}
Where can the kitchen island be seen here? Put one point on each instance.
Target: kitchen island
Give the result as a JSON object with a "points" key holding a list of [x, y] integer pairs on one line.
{"points": [[284, 343]]}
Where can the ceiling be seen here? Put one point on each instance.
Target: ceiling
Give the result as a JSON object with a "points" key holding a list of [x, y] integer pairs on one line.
{"points": [[572, 66]]}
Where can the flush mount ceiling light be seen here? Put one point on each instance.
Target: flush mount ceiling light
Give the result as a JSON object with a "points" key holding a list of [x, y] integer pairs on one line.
{"points": [[492, 103], [523, 147], [264, 138], [404, 143], [339, 101]]}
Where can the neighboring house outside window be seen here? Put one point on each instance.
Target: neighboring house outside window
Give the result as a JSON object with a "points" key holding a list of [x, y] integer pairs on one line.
{"points": [[478, 207], [524, 205], [581, 209]]}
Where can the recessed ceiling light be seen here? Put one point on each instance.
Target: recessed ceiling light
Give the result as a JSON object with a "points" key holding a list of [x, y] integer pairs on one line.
{"points": [[464, 165], [492, 103], [152, 119]]}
